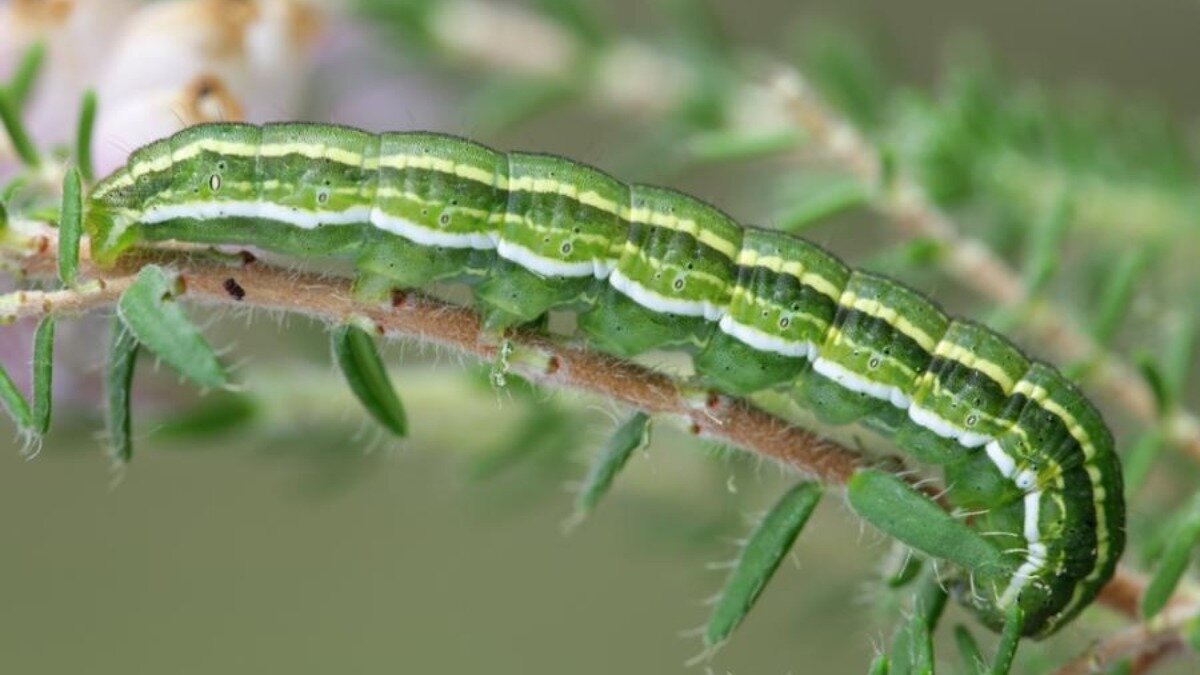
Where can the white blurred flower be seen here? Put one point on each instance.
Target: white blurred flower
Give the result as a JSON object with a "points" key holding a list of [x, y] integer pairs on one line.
{"points": [[159, 66]]}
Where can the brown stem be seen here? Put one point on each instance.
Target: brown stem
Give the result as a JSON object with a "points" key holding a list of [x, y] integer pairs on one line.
{"points": [[1146, 644], [543, 360]]}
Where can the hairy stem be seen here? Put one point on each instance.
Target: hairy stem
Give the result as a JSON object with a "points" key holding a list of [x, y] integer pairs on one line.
{"points": [[31, 250], [542, 360]]}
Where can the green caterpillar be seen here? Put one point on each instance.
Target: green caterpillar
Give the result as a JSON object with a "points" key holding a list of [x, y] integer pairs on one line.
{"points": [[649, 268]]}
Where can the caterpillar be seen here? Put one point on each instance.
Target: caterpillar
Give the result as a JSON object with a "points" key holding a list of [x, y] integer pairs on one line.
{"points": [[1022, 450]]}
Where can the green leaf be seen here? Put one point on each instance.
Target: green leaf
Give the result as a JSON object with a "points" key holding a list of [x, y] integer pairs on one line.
{"points": [[1173, 562], [43, 375], [764, 550], [70, 227], [1141, 456], [880, 665], [823, 201], [729, 146], [577, 16], [629, 437], [1178, 356], [1010, 637], [83, 136], [3, 216], [1044, 249], [26, 74], [894, 507], [847, 74], [1114, 300], [355, 352], [14, 401], [212, 416], [118, 383], [508, 101], [10, 117], [973, 662], [1192, 633], [547, 428], [35, 421], [912, 645], [149, 309], [1153, 376]]}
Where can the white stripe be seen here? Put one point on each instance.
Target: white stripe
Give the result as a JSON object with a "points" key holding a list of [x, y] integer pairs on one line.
{"points": [[764, 341], [1035, 559], [239, 209], [419, 234], [1004, 463], [659, 303], [856, 383], [542, 265]]}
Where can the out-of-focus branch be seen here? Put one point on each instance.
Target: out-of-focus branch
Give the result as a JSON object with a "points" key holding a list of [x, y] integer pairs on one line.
{"points": [[1146, 645], [632, 77], [976, 267]]}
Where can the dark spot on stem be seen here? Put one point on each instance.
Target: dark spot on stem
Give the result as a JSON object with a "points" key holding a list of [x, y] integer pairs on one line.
{"points": [[234, 289]]}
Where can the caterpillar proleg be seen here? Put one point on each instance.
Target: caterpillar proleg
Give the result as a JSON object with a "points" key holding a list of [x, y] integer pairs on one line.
{"points": [[649, 268]]}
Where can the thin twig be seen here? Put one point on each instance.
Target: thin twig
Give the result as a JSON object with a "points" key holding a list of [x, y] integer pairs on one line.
{"points": [[637, 78], [542, 360], [1147, 644]]}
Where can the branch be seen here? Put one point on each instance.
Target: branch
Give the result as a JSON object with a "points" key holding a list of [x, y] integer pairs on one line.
{"points": [[633, 77], [1146, 644], [33, 253], [537, 357]]}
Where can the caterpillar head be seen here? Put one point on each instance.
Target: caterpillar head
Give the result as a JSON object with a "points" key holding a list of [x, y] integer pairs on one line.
{"points": [[117, 201]]}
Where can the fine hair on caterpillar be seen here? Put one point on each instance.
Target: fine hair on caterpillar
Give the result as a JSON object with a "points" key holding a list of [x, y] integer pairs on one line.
{"points": [[650, 268]]}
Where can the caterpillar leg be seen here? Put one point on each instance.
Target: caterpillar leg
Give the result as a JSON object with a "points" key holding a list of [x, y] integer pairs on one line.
{"points": [[731, 365], [832, 402], [512, 296], [622, 327], [411, 265]]}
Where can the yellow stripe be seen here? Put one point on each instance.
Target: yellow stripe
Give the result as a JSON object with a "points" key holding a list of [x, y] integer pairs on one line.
{"points": [[431, 163], [235, 148], [686, 225], [1039, 394], [778, 265], [556, 187], [889, 315], [960, 354], [313, 151]]}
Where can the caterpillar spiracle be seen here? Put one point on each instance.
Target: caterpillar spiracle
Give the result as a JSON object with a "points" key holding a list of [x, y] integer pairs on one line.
{"points": [[649, 268]]}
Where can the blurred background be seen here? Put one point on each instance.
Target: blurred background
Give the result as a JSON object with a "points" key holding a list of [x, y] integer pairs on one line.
{"points": [[275, 529]]}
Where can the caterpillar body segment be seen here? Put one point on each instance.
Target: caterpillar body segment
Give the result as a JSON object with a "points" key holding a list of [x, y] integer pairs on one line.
{"points": [[649, 268]]}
